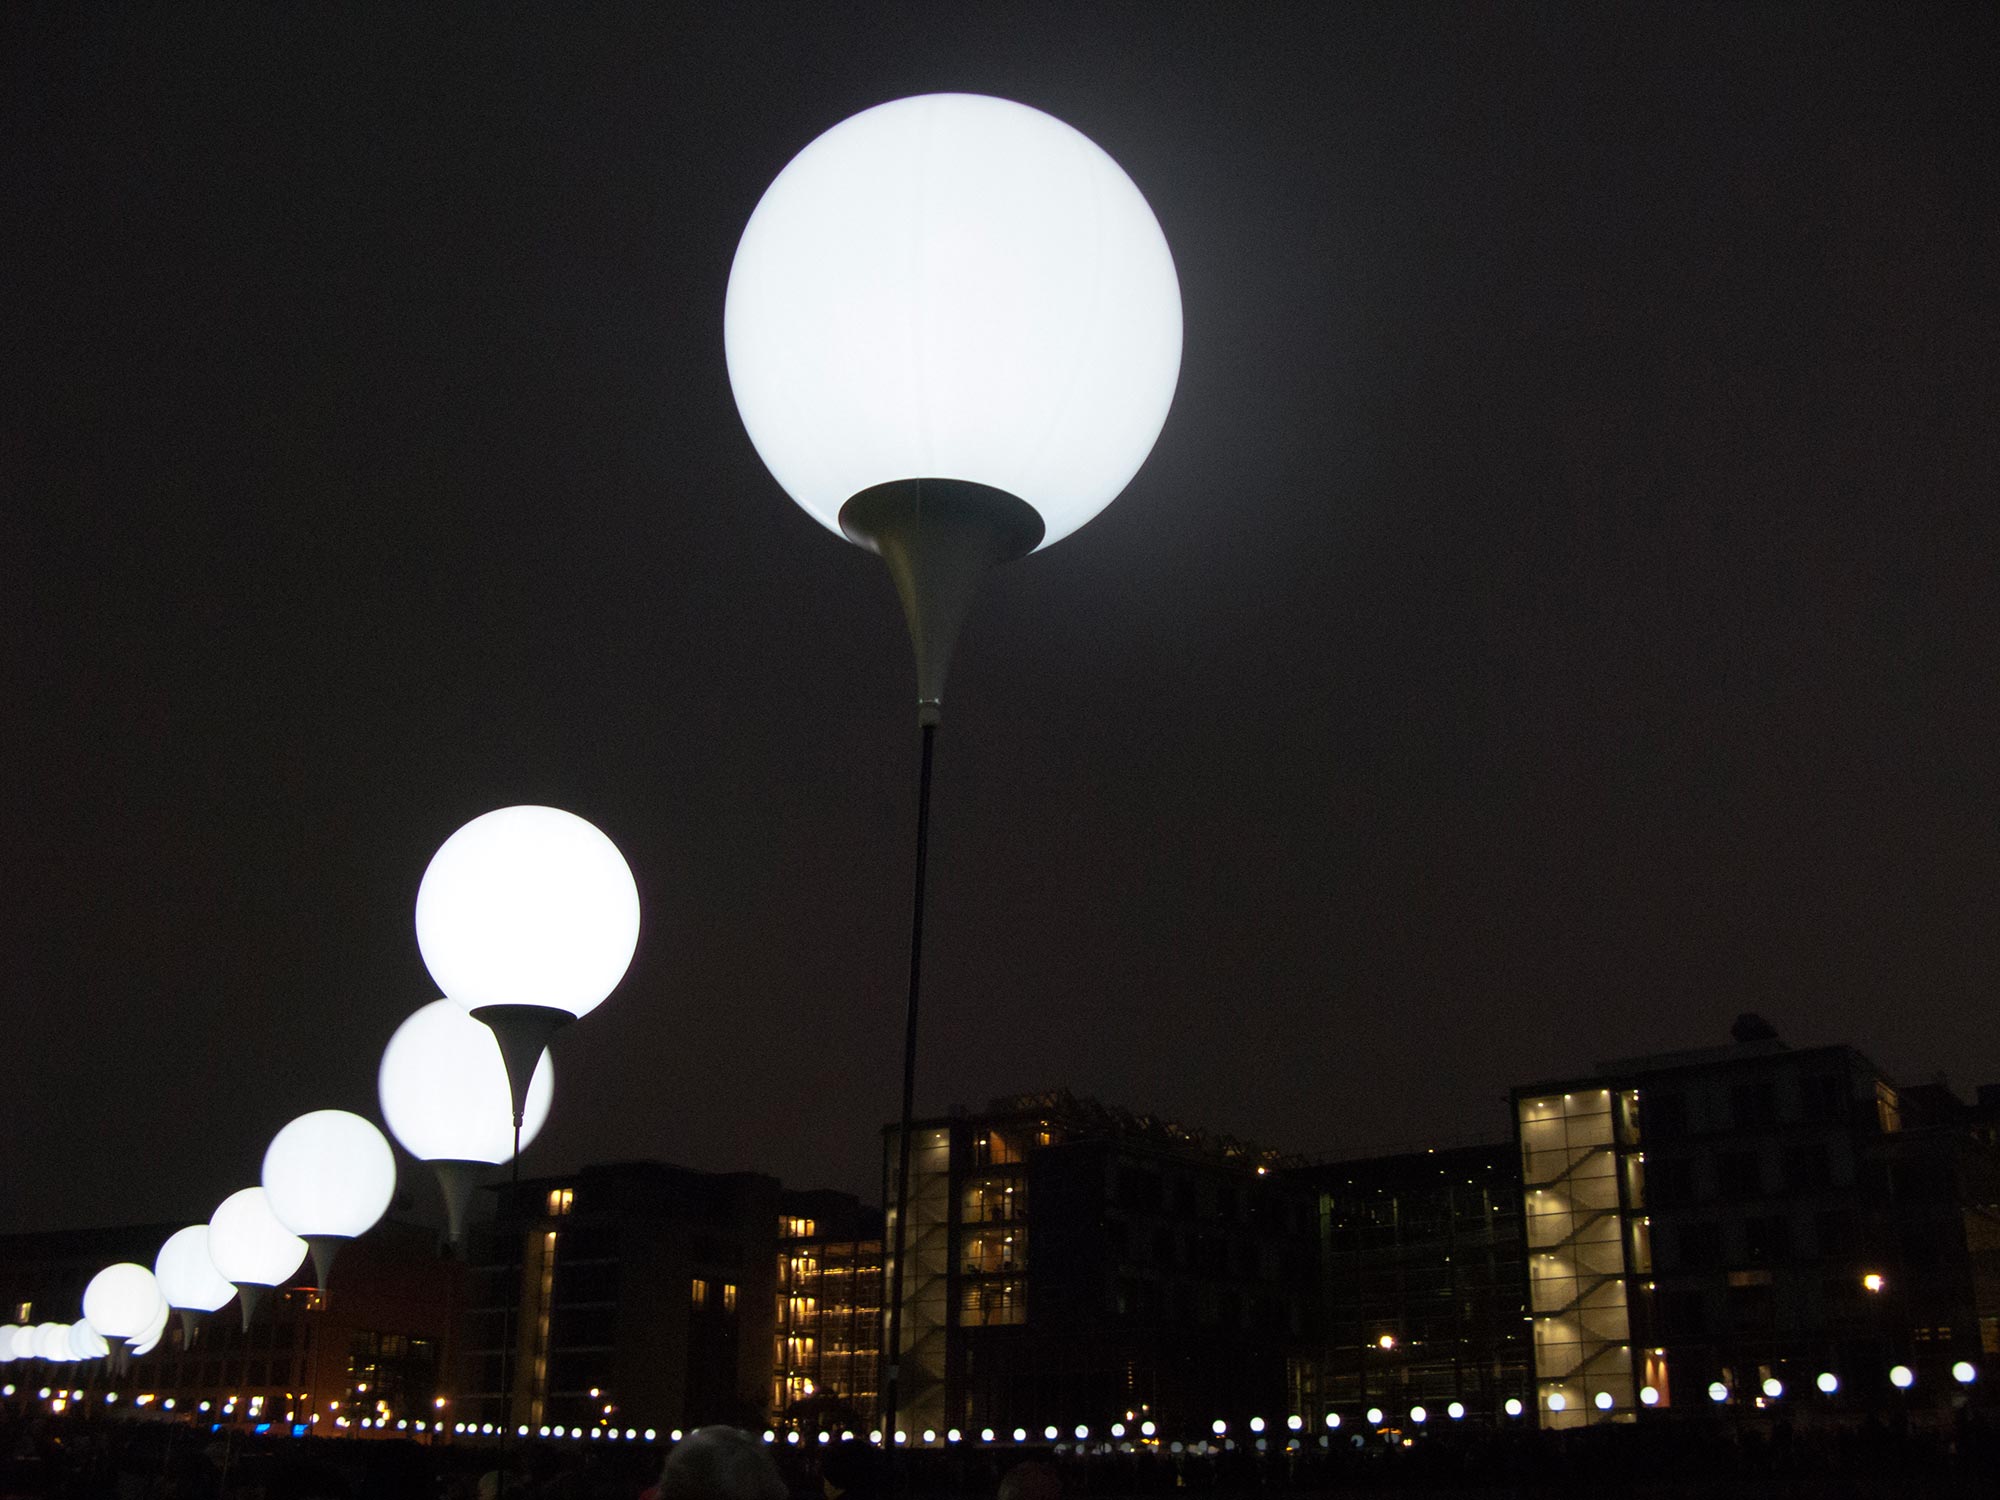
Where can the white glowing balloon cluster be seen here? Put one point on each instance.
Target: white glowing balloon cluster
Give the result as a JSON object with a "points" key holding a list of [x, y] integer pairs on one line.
{"points": [[123, 1301], [59, 1343], [444, 1089], [527, 907], [187, 1273]]}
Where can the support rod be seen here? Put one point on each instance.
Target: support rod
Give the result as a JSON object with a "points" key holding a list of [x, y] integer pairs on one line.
{"points": [[512, 1369], [891, 1384]]}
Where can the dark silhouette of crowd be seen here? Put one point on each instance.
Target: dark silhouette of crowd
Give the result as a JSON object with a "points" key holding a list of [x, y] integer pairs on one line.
{"points": [[45, 1457]]}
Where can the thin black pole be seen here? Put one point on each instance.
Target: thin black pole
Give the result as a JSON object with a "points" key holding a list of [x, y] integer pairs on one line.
{"points": [[510, 1358], [892, 1345]]}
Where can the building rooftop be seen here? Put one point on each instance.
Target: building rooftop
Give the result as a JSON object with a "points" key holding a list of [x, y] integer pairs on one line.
{"points": [[1091, 1119]]}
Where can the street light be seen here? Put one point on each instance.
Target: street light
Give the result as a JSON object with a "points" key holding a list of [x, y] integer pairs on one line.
{"points": [[443, 1087], [953, 330], [329, 1176], [251, 1248]]}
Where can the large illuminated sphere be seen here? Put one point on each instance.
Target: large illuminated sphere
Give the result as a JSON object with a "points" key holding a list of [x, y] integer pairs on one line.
{"points": [[7, 1332], [444, 1089], [248, 1244], [329, 1172], [24, 1342], [954, 287], [528, 906], [86, 1342], [121, 1300], [52, 1342], [144, 1343], [186, 1274]]}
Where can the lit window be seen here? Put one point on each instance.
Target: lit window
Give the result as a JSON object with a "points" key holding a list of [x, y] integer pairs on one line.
{"points": [[698, 1292], [560, 1200], [729, 1296]]}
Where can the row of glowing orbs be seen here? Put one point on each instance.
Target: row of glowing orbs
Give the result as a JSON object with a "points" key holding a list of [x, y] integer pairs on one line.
{"points": [[522, 906], [58, 1343], [526, 905], [1902, 1377]]}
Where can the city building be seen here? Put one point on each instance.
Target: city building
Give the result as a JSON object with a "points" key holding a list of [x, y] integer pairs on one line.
{"points": [[1729, 1225], [633, 1294], [372, 1347], [1422, 1294], [1072, 1263], [828, 1347]]}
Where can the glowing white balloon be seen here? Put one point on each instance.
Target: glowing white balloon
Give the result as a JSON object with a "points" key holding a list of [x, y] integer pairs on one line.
{"points": [[86, 1342], [121, 1300], [186, 1274], [52, 1342], [954, 286], [248, 1244], [145, 1343], [330, 1173], [528, 906], [7, 1332], [444, 1089], [24, 1342]]}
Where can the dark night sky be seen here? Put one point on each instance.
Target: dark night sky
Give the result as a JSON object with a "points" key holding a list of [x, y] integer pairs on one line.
{"points": [[1559, 614]]}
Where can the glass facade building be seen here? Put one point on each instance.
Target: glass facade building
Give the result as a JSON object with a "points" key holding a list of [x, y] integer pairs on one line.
{"points": [[1588, 1251], [1421, 1293], [827, 1351]]}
